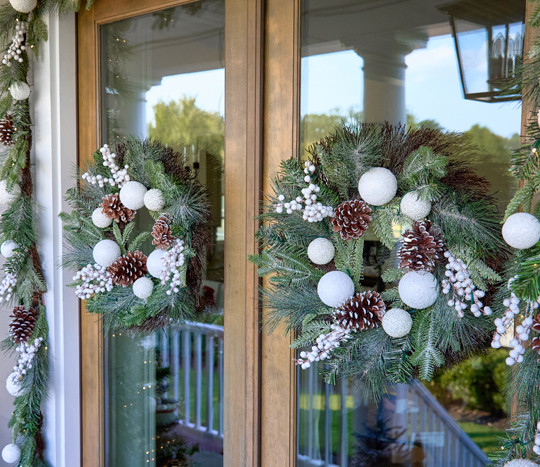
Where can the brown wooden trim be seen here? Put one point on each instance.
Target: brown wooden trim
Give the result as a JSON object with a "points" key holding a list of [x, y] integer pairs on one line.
{"points": [[531, 34], [281, 141], [243, 166], [92, 389]]}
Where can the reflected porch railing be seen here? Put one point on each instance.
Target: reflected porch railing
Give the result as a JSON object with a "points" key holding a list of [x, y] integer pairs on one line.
{"points": [[194, 352]]}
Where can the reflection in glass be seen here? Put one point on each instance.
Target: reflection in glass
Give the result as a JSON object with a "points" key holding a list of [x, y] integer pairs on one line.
{"points": [[163, 78], [396, 62]]}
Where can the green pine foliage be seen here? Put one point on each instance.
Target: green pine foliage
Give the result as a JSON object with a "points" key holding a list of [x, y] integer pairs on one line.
{"points": [[19, 221], [423, 161]]}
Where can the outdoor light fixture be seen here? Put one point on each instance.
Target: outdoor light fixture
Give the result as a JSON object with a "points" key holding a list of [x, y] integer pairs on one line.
{"points": [[488, 36]]}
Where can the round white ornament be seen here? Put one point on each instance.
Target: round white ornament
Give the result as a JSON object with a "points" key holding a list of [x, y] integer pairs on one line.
{"points": [[100, 219], [521, 463], [143, 287], [155, 264], [321, 251], [414, 207], [334, 288], [13, 385], [23, 6], [8, 248], [132, 195], [153, 200], [11, 454], [20, 91], [377, 186], [418, 289], [6, 197], [106, 252], [397, 322], [521, 230]]}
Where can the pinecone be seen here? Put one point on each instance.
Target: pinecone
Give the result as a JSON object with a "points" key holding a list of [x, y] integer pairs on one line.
{"points": [[113, 208], [421, 247], [128, 268], [22, 324], [163, 238], [535, 344], [536, 323], [7, 128], [351, 219], [363, 311]]}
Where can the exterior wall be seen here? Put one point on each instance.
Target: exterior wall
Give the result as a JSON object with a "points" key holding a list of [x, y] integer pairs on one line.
{"points": [[55, 156]]}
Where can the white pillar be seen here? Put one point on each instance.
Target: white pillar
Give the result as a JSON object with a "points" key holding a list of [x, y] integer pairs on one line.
{"points": [[384, 88], [55, 150]]}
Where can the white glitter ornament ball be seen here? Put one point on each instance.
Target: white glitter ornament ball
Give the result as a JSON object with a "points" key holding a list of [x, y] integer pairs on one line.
{"points": [[153, 200], [521, 230], [132, 195], [11, 454], [154, 263], [8, 248], [418, 289], [321, 251], [377, 186], [143, 287], [20, 91], [334, 288], [6, 197], [100, 219], [397, 322], [521, 463], [106, 252], [23, 6], [413, 207], [13, 385]]}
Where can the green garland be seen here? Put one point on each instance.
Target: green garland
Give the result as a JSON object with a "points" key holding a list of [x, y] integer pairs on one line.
{"points": [[455, 241], [22, 284], [115, 277]]}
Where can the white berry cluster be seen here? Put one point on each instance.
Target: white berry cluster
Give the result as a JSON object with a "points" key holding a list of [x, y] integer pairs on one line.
{"points": [[119, 177], [17, 44], [173, 260], [6, 287], [94, 279], [324, 344], [464, 292], [313, 211], [27, 352], [536, 447], [522, 330]]}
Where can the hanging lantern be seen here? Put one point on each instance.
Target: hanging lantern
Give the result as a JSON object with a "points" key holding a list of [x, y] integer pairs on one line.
{"points": [[488, 37]]}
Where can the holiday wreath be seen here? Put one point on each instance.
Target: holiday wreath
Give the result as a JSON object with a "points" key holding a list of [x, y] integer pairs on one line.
{"points": [[135, 283], [378, 177]]}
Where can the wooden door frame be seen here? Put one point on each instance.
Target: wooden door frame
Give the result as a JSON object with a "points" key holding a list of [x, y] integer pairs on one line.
{"points": [[281, 141], [243, 170]]}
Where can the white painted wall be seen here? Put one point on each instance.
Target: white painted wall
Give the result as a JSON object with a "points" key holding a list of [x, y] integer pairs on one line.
{"points": [[55, 152]]}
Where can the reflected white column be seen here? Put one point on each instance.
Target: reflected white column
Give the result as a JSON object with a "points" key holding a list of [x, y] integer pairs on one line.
{"points": [[384, 88]]}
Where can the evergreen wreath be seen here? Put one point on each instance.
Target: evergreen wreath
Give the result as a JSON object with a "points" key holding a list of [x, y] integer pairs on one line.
{"points": [[22, 286], [312, 241], [144, 280]]}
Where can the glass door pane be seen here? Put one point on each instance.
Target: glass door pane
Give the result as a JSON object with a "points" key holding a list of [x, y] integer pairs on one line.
{"points": [[396, 61], [162, 77]]}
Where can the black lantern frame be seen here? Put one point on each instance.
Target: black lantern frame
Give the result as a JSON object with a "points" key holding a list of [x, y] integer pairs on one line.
{"points": [[504, 55]]}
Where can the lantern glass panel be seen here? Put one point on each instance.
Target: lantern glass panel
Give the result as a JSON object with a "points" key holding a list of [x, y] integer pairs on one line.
{"points": [[488, 57]]}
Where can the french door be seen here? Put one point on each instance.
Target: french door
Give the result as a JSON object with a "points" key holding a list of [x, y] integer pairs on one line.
{"points": [[139, 58]]}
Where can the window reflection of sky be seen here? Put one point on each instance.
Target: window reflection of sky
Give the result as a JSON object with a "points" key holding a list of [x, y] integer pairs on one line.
{"points": [[432, 84]]}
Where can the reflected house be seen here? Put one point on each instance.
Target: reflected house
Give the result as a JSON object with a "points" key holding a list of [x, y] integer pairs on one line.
{"points": [[215, 390]]}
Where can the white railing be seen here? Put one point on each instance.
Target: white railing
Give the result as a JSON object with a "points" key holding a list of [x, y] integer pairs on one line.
{"points": [[192, 382], [421, 428], [420, 423]]}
